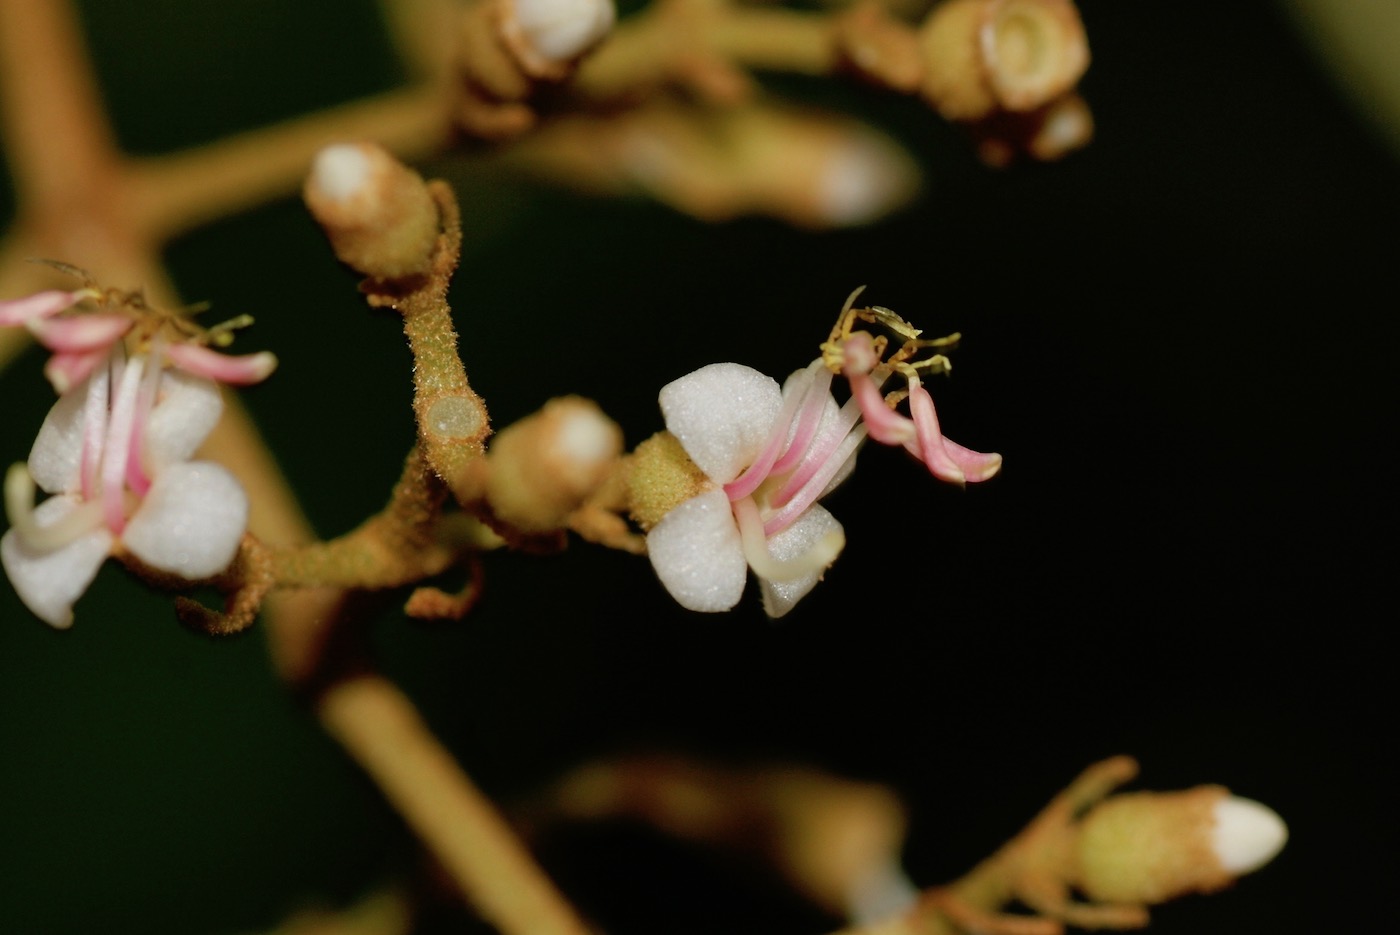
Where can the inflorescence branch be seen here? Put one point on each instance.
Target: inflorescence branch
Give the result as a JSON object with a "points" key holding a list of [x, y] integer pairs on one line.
{"points": [[667, 102]]}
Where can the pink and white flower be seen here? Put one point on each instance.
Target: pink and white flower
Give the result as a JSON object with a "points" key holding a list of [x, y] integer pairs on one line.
{"points": [[115, 453], [769, 455], [115, 449]]}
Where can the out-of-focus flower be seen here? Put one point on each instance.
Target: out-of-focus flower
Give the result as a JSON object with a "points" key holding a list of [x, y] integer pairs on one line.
{"points": [[114, 450], [83, 338]]}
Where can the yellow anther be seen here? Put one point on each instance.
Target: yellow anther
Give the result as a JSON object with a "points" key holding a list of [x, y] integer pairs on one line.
{"points": [[880, 315]]}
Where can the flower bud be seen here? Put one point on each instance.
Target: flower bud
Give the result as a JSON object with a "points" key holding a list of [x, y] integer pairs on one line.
{"points": [[543, 467], [1148, 847], [987, 55], [548, 33], [377, 212]]}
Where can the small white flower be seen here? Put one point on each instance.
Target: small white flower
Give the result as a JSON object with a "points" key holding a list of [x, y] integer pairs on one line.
{"points": [[114, 451], [770, 454]]}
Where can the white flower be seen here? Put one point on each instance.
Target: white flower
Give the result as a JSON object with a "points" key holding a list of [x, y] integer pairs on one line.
{"points": [[114, 451], [769, 455]]}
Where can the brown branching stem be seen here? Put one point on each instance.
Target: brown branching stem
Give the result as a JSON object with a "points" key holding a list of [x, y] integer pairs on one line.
{"points": [[380, 728], [451, 417], [81, 198]]}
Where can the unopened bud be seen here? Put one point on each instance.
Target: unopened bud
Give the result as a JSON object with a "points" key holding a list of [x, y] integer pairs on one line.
{"points": [[549, 33], [987, 55], [543, 467], [1148, 847], [864, 178], [377, 212]]}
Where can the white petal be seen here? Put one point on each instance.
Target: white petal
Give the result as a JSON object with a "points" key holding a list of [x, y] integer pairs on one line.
{"points": [[49, 582], [815, 523], [722, 415], [191, 521], [58, 449], [1247, 835], [183, 417], [697, 553]]}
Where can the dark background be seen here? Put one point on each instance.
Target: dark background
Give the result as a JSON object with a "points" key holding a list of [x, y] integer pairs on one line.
{"points": [[1180, 339]]}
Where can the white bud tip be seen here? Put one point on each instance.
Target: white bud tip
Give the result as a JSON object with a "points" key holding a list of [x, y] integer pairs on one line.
{"points": [[863, 181], [560, 30], [1247, 835], [587, 437], [340, 171], [882, 893]]}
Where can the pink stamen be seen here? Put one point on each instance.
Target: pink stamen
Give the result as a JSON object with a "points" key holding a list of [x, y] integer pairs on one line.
{"points": [[756, 473], [930, 447], [115, 452], [858, 354], [94, 429], [808, 420], [39, 305], [222, 368], [818, 454], [65, 371], [977, 465], [136, 477], [77, 333], [816, 483], [886, 426]]}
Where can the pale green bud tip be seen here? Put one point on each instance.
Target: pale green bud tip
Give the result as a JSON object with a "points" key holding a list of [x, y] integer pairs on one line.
{"points": [[1247, 835]]}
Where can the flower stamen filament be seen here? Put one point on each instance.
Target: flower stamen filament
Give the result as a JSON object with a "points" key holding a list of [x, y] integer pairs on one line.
{"points": [[755, 542]]}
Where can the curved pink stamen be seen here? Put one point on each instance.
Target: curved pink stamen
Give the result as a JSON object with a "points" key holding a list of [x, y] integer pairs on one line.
{"points": [[95, 409], [808, 420], [114, 457], [77, 333], [976, 465], [886, 426], [816, 483], [756, 473], [65, 371], [136, 477], [39, 305], [818, 454], [222, 368], [930, 448]]}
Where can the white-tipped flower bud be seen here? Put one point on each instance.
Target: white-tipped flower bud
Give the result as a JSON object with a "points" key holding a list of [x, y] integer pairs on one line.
{"points": [[1247, 834], [865, 178], [548, 33], [377, 212], [545, 466], [1148, 847]]}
